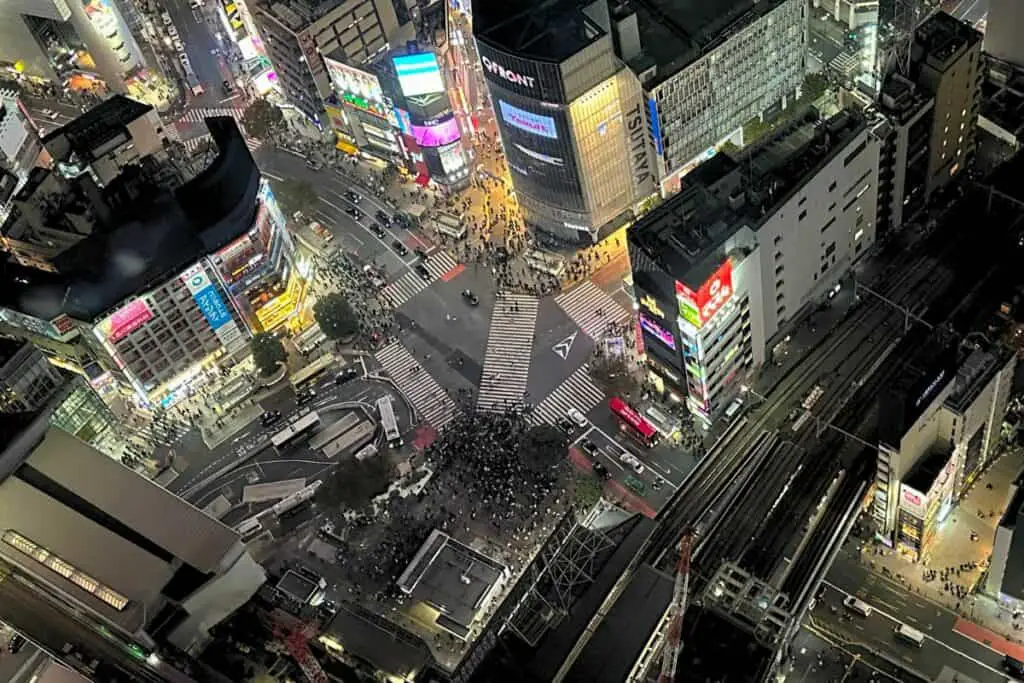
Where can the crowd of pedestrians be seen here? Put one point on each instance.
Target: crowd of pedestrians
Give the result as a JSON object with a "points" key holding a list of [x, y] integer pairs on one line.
{"points": [[376, 317]]}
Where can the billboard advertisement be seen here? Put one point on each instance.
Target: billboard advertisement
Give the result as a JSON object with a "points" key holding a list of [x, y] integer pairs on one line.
{"points": [[443, 132], [655, 329], [125, 320], [212, 305], [359, 89], [699, 307], [912, 501], [524, 120], [529, 78], [418, 74], [452, 159]]}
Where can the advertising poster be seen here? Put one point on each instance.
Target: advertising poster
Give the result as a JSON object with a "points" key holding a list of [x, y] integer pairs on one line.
{"points": [[418, 74], [125, 320], [441, 133]]}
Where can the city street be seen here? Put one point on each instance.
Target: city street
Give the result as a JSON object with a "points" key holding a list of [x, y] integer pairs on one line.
{"points": [[197, 29]]}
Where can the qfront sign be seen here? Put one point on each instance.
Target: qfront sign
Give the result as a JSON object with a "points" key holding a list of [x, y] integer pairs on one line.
{"points": [[507, 74]]}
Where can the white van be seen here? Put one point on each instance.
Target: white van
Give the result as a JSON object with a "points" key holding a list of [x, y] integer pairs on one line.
{"points": [[578, 418], [911, 635], [366, 452], [859, 606]]}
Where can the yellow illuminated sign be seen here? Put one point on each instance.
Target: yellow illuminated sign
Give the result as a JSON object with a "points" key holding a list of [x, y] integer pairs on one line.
{"points": [[648, 302]]}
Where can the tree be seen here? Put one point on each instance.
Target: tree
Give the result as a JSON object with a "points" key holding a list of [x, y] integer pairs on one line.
{"points": [[336, 318], [587, 491], [262, 119], [814, 87], [543, 447], [267, 353], [294, 195], [354, 484]]}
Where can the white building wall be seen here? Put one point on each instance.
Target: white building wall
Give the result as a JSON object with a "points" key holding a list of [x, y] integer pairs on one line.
{"points": [[1002, 31]]}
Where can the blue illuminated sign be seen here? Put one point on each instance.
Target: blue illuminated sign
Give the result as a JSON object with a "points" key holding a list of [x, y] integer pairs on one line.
{"points": [[528, 121], [652, 107], [212, 306]]}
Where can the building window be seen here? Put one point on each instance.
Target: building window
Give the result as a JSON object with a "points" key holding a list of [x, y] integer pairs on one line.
{"points": [[803, 215], [68, 571], [832, 186]]}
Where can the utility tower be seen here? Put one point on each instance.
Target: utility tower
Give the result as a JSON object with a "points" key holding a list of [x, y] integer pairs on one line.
{"points": [[677, 609], [295, 634]]}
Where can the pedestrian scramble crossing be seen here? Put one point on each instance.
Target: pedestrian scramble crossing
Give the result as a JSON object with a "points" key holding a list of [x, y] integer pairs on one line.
{"points": [[432, 403], [507, 357], [411, 283], [198, 115], [592, 309], [577, 391], [192, 144], [844, 63]]}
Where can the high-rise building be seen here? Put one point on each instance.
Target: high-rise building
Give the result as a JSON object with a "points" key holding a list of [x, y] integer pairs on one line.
{"points": [[571, 113], [945, 61], [20, 147], [296, 33], [720, 267], [71, 43], [705, 68], [101, 559], [1003, 28]]}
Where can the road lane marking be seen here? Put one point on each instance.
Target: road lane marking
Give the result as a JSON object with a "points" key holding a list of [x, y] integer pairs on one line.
{"points": [[273, 177]]}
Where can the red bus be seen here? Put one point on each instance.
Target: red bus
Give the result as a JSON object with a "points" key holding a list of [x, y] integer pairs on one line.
{"points": [[639, 428]]}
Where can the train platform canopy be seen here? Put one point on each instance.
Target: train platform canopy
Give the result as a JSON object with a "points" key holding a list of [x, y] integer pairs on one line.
{"points": [[452, 578]]}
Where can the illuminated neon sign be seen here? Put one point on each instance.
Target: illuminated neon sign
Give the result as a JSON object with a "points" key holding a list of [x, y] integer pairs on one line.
{"points": [[699, 307]]}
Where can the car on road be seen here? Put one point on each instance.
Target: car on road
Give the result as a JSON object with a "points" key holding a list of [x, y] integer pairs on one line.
{"points": [[226, 84], [166, 18], [48, 113], [305, 396], [1014, 666], [346, 375], [377, 230], [577, 417], [382, 217], [602, 472], [471, 298], [422, 271], [421, 252], [178, 45], [172, 31], [399, 248], [859, 606], [321, 232], [565, 425], [588, 447], [353, 197], [355, 213], [270, 417], [313, 164], [630, 460], [376, 279]]}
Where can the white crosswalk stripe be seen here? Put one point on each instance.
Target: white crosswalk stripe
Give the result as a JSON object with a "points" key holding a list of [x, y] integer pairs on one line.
{"points": [[844, 63], [411, 283], [197, 115], [592, 309], [509, 347], [192, 144], [432, 403], [577, 391]]}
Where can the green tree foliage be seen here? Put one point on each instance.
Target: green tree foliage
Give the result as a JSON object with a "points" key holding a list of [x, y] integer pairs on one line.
{"points": [[267, 353], [336, 317], [294, 195], [262, 119], [587, 491]]}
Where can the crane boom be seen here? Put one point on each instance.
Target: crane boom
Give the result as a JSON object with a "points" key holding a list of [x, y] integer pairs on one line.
{"points": [[677, 610]]}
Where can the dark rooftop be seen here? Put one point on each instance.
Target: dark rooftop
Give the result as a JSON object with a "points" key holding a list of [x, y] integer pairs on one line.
{"points": [[297, 586], [375, 639], [157, 239], [1013, 575], [96, 127], [911, 392], [547, 30], [941, 38], [9, 347], [975, 373], [1011, 517], [927, 470], [714, 649]]}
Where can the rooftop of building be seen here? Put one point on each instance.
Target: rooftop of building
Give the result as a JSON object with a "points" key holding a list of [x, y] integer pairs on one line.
{"points": [[715, 649], [546, 30], [685, 234], [87, 136], [941, 38], [1002, 98], [298, 15], [450, 576], [976, 371], [911, 391], [1011, 516], [158, 233], [297, 586], [8, 348], [1013, 575], [388, 647], [927, 469], [901, 99], [675, 33]]}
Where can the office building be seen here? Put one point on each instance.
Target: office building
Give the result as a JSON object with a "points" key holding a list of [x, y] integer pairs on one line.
{"points": [[20, 147], [101, 555], [143, 280], [941, 422], [852, 13], [1003, 27], [946, 62], [571, 114], [359, 112], [79, 45], [720, 268], [703, 67], [296, 33], [1004, 579]]}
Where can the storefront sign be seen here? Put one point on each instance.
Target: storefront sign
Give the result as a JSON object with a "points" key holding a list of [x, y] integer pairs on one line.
{"points": [[507, 74], [648, 302], [912, 500], [126, 320], [700, 306], [639, 161], [651, 327]]}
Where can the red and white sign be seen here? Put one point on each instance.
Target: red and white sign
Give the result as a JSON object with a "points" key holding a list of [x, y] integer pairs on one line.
{"points": [[912, 500], [712, 295], [126, 320]]}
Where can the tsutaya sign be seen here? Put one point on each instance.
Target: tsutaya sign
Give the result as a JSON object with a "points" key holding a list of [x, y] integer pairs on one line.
{"points": [[507, 74], [639, 160]]}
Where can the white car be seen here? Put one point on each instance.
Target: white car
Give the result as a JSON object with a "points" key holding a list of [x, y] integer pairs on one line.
{"points": [[630, 460], [172, 31], [178, 45], [577, 417], [166, 18]]}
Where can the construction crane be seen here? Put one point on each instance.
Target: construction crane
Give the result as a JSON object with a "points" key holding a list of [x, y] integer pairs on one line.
{"points": [[677, 610], [295, 634]]}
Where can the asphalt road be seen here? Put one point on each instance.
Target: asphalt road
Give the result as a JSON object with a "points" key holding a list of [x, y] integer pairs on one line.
{"points": [[969, 11], [197, 31]]}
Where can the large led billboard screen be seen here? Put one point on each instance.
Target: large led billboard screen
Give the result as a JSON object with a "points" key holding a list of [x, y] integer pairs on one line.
{"points": [[528, 121], [418, 74], [125, 320], [700, 306], [444, 132]]}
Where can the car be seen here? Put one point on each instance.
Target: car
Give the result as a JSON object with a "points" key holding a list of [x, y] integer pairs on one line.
{"points": [[172, 31], [48, 113], [422, 271], [228, 87], [269, 417], [304, 396], [631, 461], [602, 472], [313, 164], [353, 197], [565, 425], [166, 18], [382, 217], [577, 417], [15, 644], [858, 606], [399, 248], [355, 213], [421, 252], [321, 232], [375, 278], [1014, 666], [378, 231], [588, 447], [178, 45], [346, 375], [471, 298]]}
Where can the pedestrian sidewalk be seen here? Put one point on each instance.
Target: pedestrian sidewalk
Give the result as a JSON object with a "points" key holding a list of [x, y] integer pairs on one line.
{"points": [[217, 430], [958, 562]]}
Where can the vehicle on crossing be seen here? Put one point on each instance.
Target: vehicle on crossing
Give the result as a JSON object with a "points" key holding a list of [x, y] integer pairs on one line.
{"points": [[578, 418], [422, 271], [471, 298], [388, 421]]}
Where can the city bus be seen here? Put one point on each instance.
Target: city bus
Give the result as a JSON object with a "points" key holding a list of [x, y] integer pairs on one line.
{"points": [[295, 430], [309, 338], [911, 635], [635, 424], [545, 263], [388, 421], [351, 440], [332, 432], [449, 225]]}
